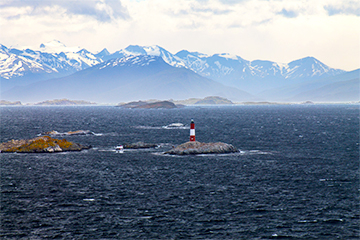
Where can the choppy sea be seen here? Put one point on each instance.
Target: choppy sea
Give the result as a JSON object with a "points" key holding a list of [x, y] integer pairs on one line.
{"points": [[296, 175]]}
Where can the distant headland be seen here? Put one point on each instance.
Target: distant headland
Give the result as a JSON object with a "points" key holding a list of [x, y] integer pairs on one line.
{"points": [[59, 102], [8, 103], [64, 102], [211, 100], [148, 105]]}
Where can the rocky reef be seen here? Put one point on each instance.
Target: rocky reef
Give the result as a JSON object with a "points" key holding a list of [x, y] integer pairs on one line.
{"points": [[190, 148], [70, 133], [43, 144], [139, 145]]}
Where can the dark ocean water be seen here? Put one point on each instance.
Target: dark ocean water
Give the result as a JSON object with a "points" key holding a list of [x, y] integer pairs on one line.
{"points": [[296, 175]]}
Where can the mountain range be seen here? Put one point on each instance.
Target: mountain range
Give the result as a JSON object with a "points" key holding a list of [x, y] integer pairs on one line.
{"points": [[141, 72], [126, 79]]}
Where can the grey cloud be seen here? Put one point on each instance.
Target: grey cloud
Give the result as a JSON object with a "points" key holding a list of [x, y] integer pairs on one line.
{"points": [[288, 13], [232, 2], [193, 25], [347, 10], [210, 10], [227, 2], [252, 24], [200, 10], [81, 7]]}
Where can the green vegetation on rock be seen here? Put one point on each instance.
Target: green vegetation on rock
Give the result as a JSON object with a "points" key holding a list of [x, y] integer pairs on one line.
{"points": [[41, 145]]}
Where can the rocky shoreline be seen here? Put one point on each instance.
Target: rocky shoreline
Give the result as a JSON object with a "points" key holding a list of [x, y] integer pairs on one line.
{"points": [[43, 144], [192, 148]]}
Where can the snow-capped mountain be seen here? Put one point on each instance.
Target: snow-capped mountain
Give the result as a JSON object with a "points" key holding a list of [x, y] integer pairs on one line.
{"points": [[56, 46], [54, 59], [220, 65], [235, 71], [134, 50], [309, 67], [15, 63]]}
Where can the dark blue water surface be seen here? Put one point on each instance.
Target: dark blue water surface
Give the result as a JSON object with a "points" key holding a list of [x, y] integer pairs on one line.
{"points": [[296, 175]]}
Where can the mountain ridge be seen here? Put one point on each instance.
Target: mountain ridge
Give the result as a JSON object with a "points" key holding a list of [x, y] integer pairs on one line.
{"points": [[133, 78]]}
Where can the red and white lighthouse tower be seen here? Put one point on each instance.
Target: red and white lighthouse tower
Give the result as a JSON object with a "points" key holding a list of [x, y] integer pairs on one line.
{"points": [[192, 131]]}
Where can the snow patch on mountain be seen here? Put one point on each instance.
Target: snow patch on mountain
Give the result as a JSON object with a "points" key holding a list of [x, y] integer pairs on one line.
{"points": [[56, 46], [131, 61], [152, 50], [228, 56]]}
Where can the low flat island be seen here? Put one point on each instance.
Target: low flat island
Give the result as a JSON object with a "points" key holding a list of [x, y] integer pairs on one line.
{"points": [[195, 147]]}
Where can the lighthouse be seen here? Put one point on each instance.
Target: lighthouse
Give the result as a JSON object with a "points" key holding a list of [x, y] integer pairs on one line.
{"points": [[192, 131]]}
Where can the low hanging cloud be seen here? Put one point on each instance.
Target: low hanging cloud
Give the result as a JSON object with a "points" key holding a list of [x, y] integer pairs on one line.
{"points": [[101, 10]]}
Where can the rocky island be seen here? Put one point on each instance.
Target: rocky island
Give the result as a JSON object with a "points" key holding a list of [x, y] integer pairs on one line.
{"points": [[64, 102], [43, 144], [211, 100], [7, 103], [195, 147], [147, 105], [139, 145]]}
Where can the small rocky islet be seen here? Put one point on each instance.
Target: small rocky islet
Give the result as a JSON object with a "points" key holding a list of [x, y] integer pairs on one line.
{"points": [[139, 145], [43, 144], [195, 147], [70, 133]]}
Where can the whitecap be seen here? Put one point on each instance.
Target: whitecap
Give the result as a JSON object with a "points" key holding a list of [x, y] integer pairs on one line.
{"points": [[89, 199]]}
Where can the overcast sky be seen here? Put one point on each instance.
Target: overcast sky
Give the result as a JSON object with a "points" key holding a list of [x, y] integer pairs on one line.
{"points": [[276, 30]]}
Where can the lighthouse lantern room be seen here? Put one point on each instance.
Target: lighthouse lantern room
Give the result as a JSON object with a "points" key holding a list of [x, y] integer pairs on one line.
{"points": [[192, 131]]}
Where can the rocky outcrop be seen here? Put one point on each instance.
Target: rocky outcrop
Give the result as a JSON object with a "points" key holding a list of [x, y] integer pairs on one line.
{"points": [[138, 145], [43, 144], [202, 148]]}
